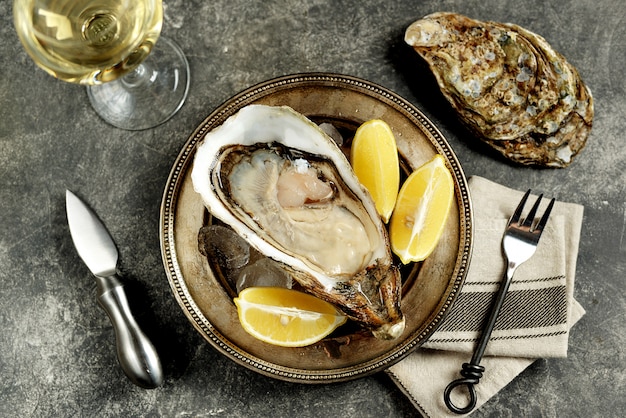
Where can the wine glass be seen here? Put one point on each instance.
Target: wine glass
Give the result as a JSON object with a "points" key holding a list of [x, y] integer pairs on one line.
{"points": [[108, 45]]}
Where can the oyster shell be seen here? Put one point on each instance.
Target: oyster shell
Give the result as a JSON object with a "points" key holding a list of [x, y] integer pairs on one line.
{"points": [[508, 85], [286, 187]]}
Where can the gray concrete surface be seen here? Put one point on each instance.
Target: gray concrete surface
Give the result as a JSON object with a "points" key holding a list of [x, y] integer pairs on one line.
{"points": [[56, 348]]}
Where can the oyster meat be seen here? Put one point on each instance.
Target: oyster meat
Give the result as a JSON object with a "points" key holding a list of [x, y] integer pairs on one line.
{"points": [[508, 86], [283, 185]]}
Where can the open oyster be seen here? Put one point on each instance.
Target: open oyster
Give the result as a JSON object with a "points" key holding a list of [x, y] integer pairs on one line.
{"points": [[287, 188], [508, 85]]}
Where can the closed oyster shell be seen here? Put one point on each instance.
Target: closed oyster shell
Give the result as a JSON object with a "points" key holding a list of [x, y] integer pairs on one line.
{"points": [[508, 86]]}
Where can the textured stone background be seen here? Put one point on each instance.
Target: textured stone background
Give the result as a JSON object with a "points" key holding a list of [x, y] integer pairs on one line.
{"points": [[56, 344]]}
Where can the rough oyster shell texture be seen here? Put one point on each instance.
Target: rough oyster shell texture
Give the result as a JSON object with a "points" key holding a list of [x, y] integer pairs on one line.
{"points": [[333, 243], [508, 86]]}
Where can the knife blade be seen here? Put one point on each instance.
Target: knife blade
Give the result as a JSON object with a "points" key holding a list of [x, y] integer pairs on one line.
{"points": [[136, 354]]}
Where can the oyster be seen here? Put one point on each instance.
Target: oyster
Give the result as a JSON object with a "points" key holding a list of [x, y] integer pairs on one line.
{"points": [[508, 86], [283, 185]]}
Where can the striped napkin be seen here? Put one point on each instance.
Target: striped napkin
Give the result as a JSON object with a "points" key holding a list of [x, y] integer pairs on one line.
{"points": [[534, 321]]}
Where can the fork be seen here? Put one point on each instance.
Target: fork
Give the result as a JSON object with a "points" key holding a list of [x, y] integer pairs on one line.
{"points": [[519, 244]]}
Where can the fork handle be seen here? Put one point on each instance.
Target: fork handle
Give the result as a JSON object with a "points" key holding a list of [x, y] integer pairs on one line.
{"points": [[471, 376], [493, 315], [473, 371]]}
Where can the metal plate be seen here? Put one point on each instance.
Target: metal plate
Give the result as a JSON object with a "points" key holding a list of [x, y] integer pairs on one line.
{"points": [[429, 288]]}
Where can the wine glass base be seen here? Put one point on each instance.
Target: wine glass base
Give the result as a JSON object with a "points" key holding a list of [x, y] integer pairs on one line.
{"points": [[147, 96]]}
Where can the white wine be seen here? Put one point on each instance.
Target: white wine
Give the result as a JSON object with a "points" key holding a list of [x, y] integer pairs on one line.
{"points": [[88, 42], [108, 46]]}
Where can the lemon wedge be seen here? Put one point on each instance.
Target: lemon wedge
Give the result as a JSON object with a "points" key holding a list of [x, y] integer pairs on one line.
{"points": [[286, 317], [421, 211], [374, 159]]}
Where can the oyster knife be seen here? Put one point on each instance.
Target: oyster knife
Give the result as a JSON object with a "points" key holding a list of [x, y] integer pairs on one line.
{"points": [[136, 354]]}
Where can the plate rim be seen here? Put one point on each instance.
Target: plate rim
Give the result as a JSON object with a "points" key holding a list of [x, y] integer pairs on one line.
{"points": [[175, 181]]}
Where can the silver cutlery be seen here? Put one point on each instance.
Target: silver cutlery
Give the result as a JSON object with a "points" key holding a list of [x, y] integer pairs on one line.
{"points": [[519, 244], [96, 248]]}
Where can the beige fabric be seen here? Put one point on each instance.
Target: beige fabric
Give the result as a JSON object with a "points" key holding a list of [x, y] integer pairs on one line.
{"points": [[534, 321]]}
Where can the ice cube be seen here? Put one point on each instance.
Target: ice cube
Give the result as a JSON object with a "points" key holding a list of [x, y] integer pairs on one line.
{"points": [[264, 272], [224, 246], [330, 130]]}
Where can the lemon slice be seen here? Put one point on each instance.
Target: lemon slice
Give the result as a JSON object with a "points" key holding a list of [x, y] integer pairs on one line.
{"points": [[421, 211], [374, 158], [286, 317]]}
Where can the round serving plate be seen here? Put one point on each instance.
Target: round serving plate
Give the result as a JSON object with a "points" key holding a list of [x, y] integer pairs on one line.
{"points": [[429, 288]]}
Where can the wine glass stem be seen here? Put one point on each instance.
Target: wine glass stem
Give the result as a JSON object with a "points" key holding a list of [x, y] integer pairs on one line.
{"points": [[138, 77], [148, 95]]}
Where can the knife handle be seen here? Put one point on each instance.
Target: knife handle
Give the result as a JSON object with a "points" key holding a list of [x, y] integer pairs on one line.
{"points": [[135, 352]]}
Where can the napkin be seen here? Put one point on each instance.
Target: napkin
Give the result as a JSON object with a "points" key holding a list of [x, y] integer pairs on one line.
{"points": [[534, 321]]}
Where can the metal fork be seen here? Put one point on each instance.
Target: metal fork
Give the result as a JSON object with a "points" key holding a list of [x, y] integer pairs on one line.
{"points": [[519, 244]]}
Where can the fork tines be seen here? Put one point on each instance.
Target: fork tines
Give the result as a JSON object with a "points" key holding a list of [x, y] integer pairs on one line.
{"points": [[516, 217]]}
